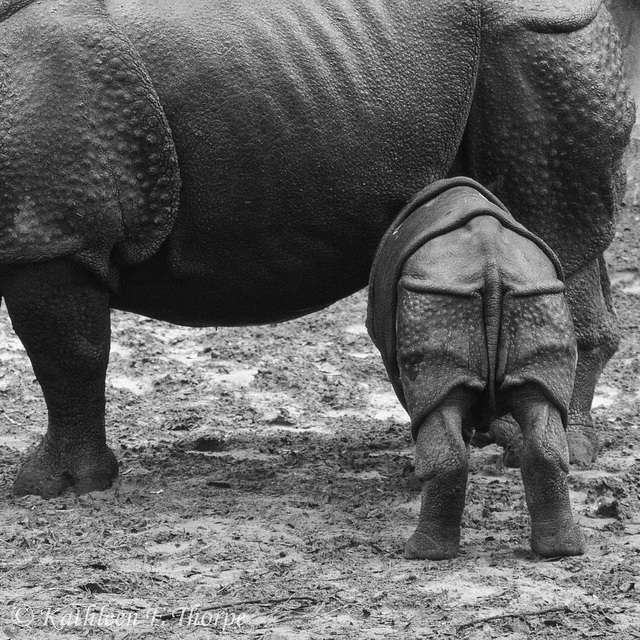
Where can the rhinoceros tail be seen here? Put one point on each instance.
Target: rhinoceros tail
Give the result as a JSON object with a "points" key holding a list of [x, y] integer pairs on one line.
{"points": [[492, 311]]}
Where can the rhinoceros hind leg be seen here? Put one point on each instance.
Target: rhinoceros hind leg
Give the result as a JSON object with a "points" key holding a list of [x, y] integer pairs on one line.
{"points": [[544, 468], [442, 464], [61, 314], [598, 336]]}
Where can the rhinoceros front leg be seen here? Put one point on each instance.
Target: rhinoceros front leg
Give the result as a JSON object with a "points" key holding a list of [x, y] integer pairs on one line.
{"points": [[442, 465], [61, 314], [544, 468]]}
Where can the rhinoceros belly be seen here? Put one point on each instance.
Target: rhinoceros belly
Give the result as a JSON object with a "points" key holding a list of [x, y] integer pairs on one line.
{"points": [[301, 129]]}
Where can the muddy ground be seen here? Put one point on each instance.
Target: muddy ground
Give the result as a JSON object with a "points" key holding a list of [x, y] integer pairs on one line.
{"points": [[266, 490]]}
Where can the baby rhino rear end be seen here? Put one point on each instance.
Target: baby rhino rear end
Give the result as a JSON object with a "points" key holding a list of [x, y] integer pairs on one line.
{"points": [[482, 328]]}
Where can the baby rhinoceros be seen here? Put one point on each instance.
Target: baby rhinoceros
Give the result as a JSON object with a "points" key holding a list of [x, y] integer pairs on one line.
{"points": [[468, 310]]}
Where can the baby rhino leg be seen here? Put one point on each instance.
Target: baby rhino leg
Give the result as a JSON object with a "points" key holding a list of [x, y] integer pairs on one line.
{"points": [[442, 465], [442, 359], [537, 359], [544, 468]]}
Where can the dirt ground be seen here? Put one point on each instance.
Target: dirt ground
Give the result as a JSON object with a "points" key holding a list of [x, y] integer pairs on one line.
{"points": [[266, 491]]}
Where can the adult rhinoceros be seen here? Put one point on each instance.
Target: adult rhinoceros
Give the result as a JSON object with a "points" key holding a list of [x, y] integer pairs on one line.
{"points": [[238, 162]]}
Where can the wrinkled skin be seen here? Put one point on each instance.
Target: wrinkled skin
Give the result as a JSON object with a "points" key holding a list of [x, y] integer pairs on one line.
{"points": [[239, 163], [481, 312]]}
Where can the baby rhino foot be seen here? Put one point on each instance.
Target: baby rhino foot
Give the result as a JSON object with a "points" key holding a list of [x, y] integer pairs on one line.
{"points": [[433, 544], [48, 471], [554, 541]]}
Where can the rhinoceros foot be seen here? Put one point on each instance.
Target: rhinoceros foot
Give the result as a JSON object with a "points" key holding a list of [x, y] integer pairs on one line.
{"points": [[505, 432], [582, 439], [48, 471], [434, 544], [553, 540]]}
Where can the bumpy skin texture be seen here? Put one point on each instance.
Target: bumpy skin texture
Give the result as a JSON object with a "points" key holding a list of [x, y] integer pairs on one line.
{"points": [[87, 163], [300, 130], [483, 328]]}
